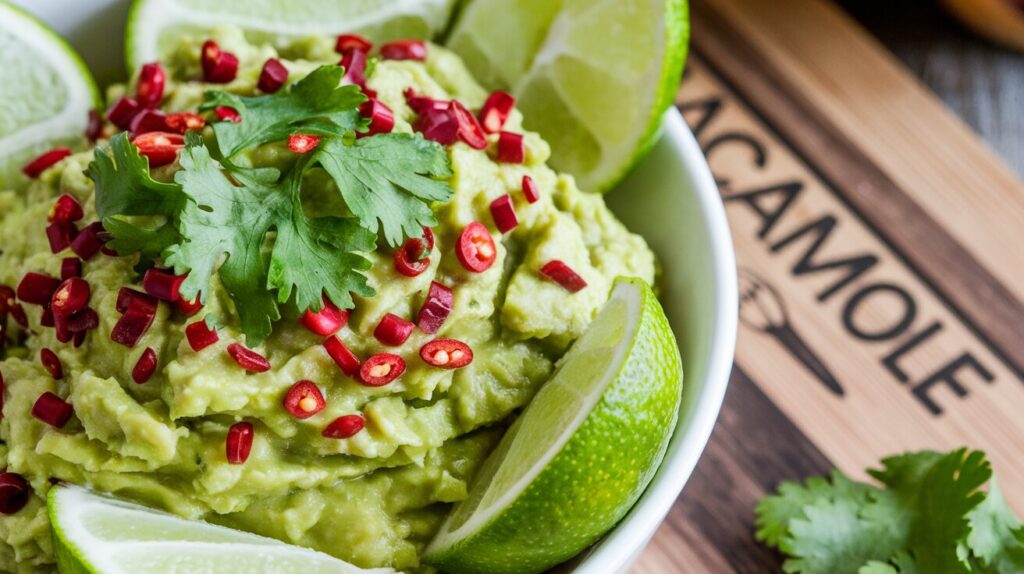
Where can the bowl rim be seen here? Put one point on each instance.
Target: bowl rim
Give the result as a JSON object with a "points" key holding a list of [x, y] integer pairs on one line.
{"points": [[625, 543]]}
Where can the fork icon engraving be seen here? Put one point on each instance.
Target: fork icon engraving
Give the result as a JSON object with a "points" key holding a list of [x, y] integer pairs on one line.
{"points": [[763, 309]]}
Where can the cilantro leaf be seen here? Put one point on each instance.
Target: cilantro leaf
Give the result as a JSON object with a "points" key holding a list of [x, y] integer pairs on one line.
{"points": [[390, 178], [775, 512], [120, 173], [932, 516], [996, 538], [318, 100], [226, 229]]}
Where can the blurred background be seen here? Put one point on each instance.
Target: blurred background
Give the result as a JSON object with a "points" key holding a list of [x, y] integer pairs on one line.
{"points": [[969, 52]]}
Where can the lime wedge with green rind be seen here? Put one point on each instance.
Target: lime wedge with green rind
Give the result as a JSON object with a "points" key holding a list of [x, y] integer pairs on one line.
{"points": [[155, 26], [582, 452], [593, 77], [96, 534], [46, 93]]}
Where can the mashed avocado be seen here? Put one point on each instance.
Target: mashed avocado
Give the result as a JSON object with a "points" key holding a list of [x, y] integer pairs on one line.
{"points": [[374, 499]]}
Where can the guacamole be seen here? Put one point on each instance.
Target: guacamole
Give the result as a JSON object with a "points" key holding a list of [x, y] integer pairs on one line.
{"points": [[374, 496]]}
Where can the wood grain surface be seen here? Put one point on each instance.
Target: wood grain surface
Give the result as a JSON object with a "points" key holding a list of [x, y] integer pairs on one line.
{"points": [[881, 280]]}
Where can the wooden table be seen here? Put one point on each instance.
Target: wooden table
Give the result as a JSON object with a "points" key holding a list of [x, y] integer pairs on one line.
{"points": [[910, 187]]}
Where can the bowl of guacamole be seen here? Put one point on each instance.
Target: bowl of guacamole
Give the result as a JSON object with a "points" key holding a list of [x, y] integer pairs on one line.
{"points": [[180, 332]]}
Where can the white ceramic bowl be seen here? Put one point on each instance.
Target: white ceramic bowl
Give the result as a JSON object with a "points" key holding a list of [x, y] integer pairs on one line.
{"points": [[671, 199]]}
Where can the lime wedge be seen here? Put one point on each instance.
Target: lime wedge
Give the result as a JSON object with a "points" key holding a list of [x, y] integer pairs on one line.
{"points": [[46, 93], [156, 25], [581, 453], [95, 534], [594, 77]]}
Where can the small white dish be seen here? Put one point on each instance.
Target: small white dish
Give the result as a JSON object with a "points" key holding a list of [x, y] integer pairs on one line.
{"points": [[671, 199]]}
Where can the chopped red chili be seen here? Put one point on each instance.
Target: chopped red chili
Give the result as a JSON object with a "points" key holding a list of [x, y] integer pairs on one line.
{"points": [[345, 359], [52, 410], [436, 308], [504, 214], [348, 42], [51, 362], [562, 274], [393, 330], [404, 50], [65, 210], [72, 296], [160, 147], [327, 321], [37, 289], [530, 190], [382, 369], [469, 128], [150, 87], [238, 443], [15, 492], [163, 284], [496, 110], [343, 427], [273, 76], [44, 162], [447, 354], [511, 148], [248, 359], [475, 248], [304, 400], [302, 143], [200, 335], [145, 366]]}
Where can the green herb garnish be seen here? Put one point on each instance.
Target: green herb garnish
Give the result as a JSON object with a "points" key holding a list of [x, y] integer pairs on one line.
{"points": [[248, 225], [932, 516]]}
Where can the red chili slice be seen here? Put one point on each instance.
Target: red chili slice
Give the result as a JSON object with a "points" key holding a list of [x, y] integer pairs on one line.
{"points": [[150, 88], [447, 354], [65, 210], [423, 104], [382, 120], [15, 492], [72, 296], [60, 236], [410, 259], [439, 126], [52, 410], [273, 76], [436, 308], [200, 335], [304, 400], [327, 321], [343, 357], [150, 121], [160, 147], [348, 42], [133, 325], [496, 110], [504, 214], [393, 330], [94, 129], [52, 364], [511, 148], [130, 298], [238, 443], [189, 308], [248, 359], [354, 63], [302, 143], [83, 321], [163, 284], [89, 241], [145, 366], [70, 267], [562, 274], [219, 67], [469, 128], [530, 190], [404, 50], [343, 427], [37, 289], [180, 123], [381, 369], [227, 114], [123, 112], [475, 248], [44, 162]]}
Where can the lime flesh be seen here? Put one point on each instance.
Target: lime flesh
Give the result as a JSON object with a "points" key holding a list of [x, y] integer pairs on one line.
{"points": [[154, 26], [95, 534], [594, 77], [581, 453], [45, 93]]}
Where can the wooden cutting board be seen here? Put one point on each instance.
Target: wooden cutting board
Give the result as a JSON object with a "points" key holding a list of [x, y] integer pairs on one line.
{"points": [[881, 253]]}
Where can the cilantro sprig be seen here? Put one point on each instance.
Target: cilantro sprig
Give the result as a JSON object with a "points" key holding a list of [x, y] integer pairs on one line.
{"points": [[249, 226], [931, 516]]}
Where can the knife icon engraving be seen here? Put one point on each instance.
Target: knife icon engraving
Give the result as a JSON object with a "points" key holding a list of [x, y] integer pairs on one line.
{"points": [[763, 309]]}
